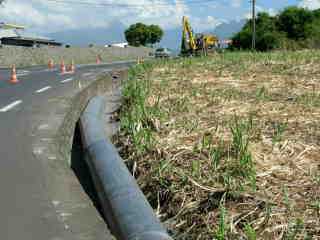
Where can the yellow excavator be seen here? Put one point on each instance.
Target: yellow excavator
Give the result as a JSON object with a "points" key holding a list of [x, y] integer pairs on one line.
{"points": [[196, 44]]}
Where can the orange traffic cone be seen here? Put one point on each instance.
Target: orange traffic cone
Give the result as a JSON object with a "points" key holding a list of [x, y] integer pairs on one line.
{"points": [[72, 67], [13, 78], [50, 64], [98, 59], [62, 67]]}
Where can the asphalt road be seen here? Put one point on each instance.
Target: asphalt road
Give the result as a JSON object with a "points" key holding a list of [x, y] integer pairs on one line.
{"points": [[26, 210]]}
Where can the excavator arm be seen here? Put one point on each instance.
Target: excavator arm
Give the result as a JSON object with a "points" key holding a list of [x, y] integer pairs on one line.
{"points": [[188, 31], [188, 41]]}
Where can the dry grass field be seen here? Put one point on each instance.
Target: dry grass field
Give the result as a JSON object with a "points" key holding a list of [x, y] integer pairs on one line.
{"points": [[228, 146]]}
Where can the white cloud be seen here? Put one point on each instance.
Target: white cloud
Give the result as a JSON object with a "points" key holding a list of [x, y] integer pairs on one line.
{"points": [[247, 15], [166, 15], [204, 23], [236, 3], [310, 4], [270, 11], [23, 13], [45, 16]]}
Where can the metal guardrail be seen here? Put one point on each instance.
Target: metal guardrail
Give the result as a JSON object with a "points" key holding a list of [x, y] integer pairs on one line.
{"points": [[127, 211]]}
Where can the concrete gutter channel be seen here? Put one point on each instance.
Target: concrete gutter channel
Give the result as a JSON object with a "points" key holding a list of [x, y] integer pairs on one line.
{"points": [[100, 181], [126, 209]]}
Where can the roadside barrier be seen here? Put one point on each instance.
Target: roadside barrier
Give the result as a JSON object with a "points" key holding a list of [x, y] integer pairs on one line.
{"points": [[13, 78], [127, 211]]}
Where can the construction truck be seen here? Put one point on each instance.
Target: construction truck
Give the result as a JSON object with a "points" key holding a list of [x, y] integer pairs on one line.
{"points": [[196, 44]]}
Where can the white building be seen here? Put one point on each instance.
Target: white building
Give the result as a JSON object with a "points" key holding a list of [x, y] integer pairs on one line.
{"points": [[121, 45]]}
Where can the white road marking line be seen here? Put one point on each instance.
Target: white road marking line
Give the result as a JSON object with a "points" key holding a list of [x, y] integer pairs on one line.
{"points": [[10, 106], [43, 89], [55, 203], [22, 74], [87, 74], [49, 70], [66, 73], [23, 71], [67, 80], [38, 150]]}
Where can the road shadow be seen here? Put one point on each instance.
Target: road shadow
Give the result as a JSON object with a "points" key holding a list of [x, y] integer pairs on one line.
{"points": [[81, 169]]}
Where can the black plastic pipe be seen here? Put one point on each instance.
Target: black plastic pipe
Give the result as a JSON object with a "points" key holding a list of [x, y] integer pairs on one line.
{"points": [[127, 211]]}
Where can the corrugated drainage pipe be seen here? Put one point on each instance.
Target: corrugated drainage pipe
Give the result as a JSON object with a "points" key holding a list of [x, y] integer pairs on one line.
{"points": [[127, 211]]}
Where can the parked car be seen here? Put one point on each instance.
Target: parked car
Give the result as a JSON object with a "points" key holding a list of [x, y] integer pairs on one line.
{"points": [[162, 53]]}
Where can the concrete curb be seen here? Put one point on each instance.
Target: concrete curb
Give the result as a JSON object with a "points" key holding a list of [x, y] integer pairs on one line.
{"points": [[128, 213]]}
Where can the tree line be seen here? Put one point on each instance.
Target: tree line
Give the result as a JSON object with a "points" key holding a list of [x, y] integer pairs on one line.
{"points": [[293, 28]]}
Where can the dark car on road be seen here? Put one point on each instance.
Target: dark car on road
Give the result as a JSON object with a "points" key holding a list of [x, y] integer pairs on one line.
{"points": [[162, 53]]}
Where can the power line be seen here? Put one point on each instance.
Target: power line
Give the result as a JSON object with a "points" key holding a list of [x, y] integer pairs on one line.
{"points": [[109, 4]]}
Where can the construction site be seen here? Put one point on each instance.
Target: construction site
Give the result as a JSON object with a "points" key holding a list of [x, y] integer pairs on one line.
{"points": [[108, 134]]}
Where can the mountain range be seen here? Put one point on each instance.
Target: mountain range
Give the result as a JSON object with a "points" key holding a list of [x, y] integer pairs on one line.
{"points": [[114, 33], [86, 36]]}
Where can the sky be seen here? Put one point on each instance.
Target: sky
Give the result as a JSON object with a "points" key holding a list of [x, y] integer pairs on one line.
{"points": [[45, 16]]}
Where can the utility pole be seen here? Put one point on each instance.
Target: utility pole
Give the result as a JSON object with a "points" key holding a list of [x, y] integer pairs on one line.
{"points": [[253, 24]]}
